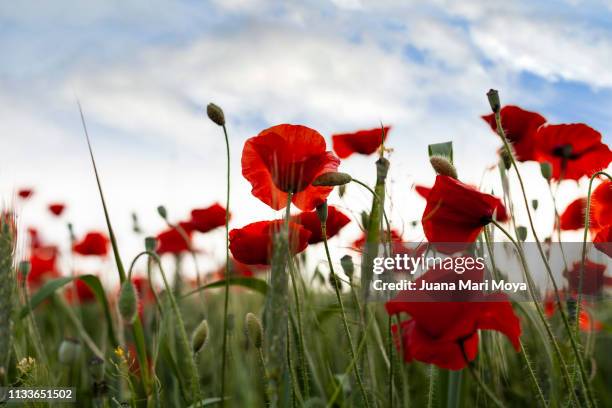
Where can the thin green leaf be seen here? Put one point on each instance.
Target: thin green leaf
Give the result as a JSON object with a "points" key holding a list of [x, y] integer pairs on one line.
{"points": [[254, 284]]}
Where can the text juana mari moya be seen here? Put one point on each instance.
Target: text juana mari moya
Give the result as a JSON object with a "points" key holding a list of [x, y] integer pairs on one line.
{"points": [[459, 265]]}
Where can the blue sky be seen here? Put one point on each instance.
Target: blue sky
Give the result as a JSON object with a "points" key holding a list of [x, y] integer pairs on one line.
{"points": [[144, 70]]}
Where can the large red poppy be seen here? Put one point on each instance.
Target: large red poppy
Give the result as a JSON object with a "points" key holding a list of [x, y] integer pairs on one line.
{"points": [[456, 213], [57, 209], [174, 240], [287, 158], [209, 218], [574, 150], [572, 217], [603, 240], [336, 220], [93, 244], [593, 277], [520, 127], [601, 205], [444, 332], [252, 244], [43, 266], [362, 142], [422, 191]]}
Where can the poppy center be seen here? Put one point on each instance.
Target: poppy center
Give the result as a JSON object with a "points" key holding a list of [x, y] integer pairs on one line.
{"points": [[486, 220], [563, 151]]}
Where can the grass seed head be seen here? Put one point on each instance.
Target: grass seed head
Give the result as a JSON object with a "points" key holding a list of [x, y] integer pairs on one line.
{"points": [[254, 330], [199, 337]]}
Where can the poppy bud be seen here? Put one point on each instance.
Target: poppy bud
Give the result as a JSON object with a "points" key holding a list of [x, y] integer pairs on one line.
{"points": [[365, 219], [215, 114], [71, 232], [254, 330], [150, 244], [24, 268], [546, 170], [69, 351], [382, 168], [347, 265], [128, 302], [494, 101], [342, 190], [161, 210], [506, 159], [199, 337], [534, 204], [332, 179], [443, 166], [322, 212], [135, 224], [521, 232], [335, 282]]}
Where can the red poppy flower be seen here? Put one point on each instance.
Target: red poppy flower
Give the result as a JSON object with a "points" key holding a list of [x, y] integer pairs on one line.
{"points": [[444, 332], [43, 266], [601, 206], [25, 193], [57, 209], [572, 217], [585, 321], [252, 244], [574, 150], [520, 127], [456, 213], [593, 279], [362, 142], [396, 237], [206, 219], [175, 240], [336, 220], [287, 158], [422, 191], [93, 244], [603, 240], [79, 291]]}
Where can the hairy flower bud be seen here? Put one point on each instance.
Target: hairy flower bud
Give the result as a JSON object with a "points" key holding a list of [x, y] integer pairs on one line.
{"points": [[215, 113], [534, 204], [254, 330], [69, 351], [382, 168], [332, 179], [150, 244], [161, 210], [494, 101], [546, 170], [443, 166], [347, 265], [506, 159], [24, 268], [199, 337], [128, 301]]}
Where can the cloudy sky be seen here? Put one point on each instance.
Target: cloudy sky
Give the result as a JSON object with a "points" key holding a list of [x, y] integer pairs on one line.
{"points": [[144, 70]]}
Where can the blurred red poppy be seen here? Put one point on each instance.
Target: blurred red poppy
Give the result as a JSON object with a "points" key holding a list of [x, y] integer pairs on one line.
{"points": [[456, 213], [43, 266], [174, 240], [57, 208], [520, 127], [603, 240], [336, 220], [287, 158], [362, 142], [601, 206], [593, 277], [206, 219], [572, 217], [79, 291], [93, 244], [585, 321], [25, 193], [444, 332], [252, 244], [574, 150]]}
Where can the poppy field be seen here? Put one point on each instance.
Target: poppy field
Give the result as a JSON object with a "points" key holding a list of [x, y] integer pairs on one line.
{"points": [[290, 321]]}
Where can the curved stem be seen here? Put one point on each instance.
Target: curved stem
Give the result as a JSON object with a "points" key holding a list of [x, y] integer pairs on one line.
{"points": [[573, 342], [343, 313], [226, 288], [587, 220]]}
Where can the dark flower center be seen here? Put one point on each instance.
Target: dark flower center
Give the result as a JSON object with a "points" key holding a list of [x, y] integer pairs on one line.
{"points": [[564, 151]]}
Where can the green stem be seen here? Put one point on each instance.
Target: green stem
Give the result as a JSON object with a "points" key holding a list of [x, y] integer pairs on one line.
{"points": [[583, 373], [343, 313], [226, 289]]}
